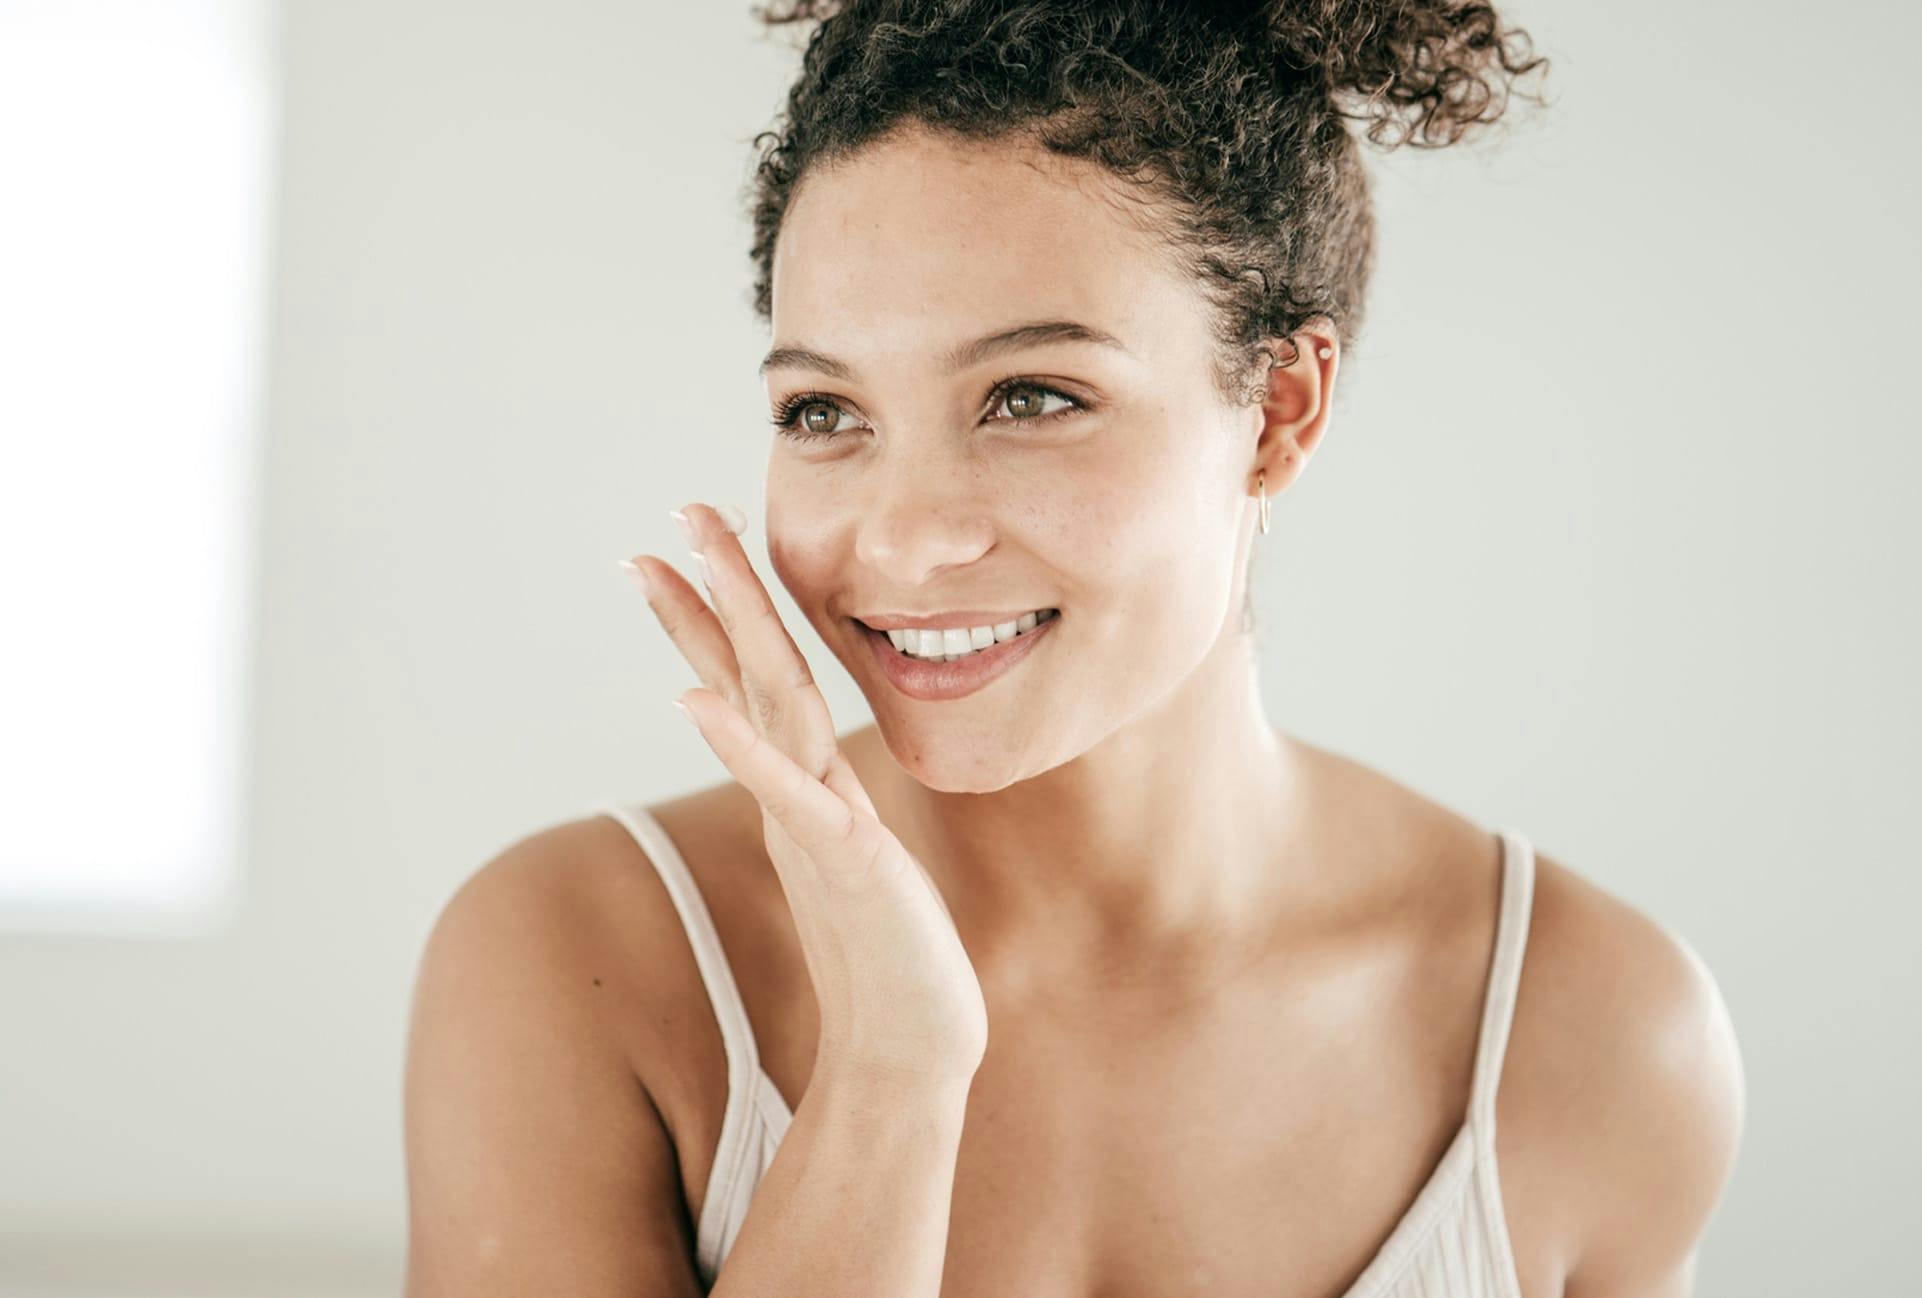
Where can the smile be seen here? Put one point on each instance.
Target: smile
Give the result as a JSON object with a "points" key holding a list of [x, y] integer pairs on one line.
{"points": [[951, 676], [941, 643]]}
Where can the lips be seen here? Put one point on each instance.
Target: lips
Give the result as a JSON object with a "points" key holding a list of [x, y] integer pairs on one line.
{"points": [[931, 681]]}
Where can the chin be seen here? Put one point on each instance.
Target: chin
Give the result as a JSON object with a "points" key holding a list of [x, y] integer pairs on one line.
{"points": [[948, 762]]}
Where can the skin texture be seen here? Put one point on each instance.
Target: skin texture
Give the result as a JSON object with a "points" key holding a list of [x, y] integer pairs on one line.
{"points": [[1133, 517], [1233, 979]]}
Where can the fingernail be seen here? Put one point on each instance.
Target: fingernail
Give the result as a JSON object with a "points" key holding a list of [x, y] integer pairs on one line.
{"points": [[640, 577], [707, 573], [735, 520], [685, 711], [687, 528]]}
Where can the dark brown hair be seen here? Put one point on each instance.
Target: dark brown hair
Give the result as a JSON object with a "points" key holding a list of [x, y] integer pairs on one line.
{"points": [[1231, 117]]}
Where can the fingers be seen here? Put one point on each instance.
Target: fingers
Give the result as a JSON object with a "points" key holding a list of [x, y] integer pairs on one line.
{"points": [[743, 652], [841, 778], [693, 628], [841, 842], [782, 699]]}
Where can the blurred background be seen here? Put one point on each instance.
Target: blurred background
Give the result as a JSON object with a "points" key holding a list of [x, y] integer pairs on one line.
{"points": [[345, 345]]}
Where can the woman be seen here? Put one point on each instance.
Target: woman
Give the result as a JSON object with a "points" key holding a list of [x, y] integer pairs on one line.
{"points": [[1071, 974]]}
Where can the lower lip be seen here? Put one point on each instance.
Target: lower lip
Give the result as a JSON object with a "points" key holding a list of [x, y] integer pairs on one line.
{"points": [[922, 678]]}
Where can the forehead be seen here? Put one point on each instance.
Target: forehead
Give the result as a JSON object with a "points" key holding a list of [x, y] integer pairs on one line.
{"points": [[922, 238]]}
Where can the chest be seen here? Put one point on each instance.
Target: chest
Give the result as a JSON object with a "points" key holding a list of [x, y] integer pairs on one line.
{"points": [[1196, 1175], [1274, 1163], [1270, 1140]]}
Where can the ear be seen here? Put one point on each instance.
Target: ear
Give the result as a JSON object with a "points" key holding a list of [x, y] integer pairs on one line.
{"points": [[1294, 414]]}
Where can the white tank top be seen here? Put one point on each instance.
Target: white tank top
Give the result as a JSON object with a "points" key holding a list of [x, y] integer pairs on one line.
{"points": [[1451, 1243]]}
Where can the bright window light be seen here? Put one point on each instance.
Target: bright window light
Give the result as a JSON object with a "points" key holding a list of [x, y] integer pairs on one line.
{"points": [[136, 144]]}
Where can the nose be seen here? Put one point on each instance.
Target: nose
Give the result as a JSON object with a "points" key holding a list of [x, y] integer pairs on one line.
{"points": [[919, 517]]}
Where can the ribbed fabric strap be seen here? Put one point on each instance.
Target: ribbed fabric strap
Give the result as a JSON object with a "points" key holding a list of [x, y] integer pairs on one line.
{"points": [[1504, 977], [730, 1012]]}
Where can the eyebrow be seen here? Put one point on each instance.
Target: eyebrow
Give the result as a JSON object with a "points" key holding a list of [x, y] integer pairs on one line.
{"points": [[958, 358]]}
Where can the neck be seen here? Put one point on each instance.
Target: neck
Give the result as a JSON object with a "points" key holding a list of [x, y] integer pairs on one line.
{"points": [[1167, 843]]}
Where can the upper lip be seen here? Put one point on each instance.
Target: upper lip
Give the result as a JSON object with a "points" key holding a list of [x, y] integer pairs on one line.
{"points": [[967, 617]]}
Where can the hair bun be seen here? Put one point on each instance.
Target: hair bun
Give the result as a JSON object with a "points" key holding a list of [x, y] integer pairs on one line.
{"points": [[1421, 72]]}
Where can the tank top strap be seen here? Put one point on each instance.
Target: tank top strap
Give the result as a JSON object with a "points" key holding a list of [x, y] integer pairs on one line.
{"points": [[730, 1011], [1504, 977], [740, 1151]]}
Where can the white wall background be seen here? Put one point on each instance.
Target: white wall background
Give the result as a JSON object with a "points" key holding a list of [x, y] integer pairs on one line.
{"points": [[1613, 540]]}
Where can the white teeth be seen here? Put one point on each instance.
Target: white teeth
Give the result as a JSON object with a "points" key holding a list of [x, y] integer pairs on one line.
{"points": [[950, 643]]}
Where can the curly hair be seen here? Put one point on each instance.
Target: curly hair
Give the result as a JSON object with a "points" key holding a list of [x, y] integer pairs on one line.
{"points": [[1230, 117]]}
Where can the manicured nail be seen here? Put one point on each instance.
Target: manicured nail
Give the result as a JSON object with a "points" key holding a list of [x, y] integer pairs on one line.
{"points": [[707, 573], [639, 574], [735, 520], [687, 528], [686, 712]]}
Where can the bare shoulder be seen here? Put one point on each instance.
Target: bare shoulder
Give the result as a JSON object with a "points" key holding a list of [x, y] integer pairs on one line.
{"points": [[568, 904], [1625, 1074], [584, 902], [1621, 1098], [536, 1158]]}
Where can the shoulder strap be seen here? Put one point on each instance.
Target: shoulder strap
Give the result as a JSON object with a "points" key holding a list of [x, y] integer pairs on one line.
{"points": [[1504, 976], [737, 1034], [725, 1204]]}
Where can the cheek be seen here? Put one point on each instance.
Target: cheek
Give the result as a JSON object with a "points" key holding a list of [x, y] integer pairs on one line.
{"points": [[799, 560], [804, 525], [1098, 510], [1143, 520], [1154, 548]]}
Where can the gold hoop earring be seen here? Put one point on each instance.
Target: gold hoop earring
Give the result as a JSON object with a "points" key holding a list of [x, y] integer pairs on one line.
{"points": [[1261, 485]]}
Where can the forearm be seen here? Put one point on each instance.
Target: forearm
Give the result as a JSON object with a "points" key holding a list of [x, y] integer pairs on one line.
{"points": [[856, 1200]]}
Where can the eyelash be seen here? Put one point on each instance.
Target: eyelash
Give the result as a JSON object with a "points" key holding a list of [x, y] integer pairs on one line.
{"points": [[786, 418]]}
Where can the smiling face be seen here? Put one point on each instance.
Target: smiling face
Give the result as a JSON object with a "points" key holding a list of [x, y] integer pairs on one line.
{"points": [[1107, 481]]}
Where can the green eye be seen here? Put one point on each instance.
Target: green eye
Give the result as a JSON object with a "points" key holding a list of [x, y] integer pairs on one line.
{"points": [[788, 418], [791, 420], [817, 418], [1034, 410]]}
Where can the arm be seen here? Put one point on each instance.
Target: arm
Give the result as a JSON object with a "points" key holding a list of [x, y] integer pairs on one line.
{"points": [[857, 1198], [536, 1162]]}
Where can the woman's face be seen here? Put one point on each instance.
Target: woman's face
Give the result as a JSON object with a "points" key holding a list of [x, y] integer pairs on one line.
{"points": [[1108, 482]]}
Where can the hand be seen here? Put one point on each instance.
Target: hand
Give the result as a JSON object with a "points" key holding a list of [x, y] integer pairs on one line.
{"points": [[898, 996]]}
